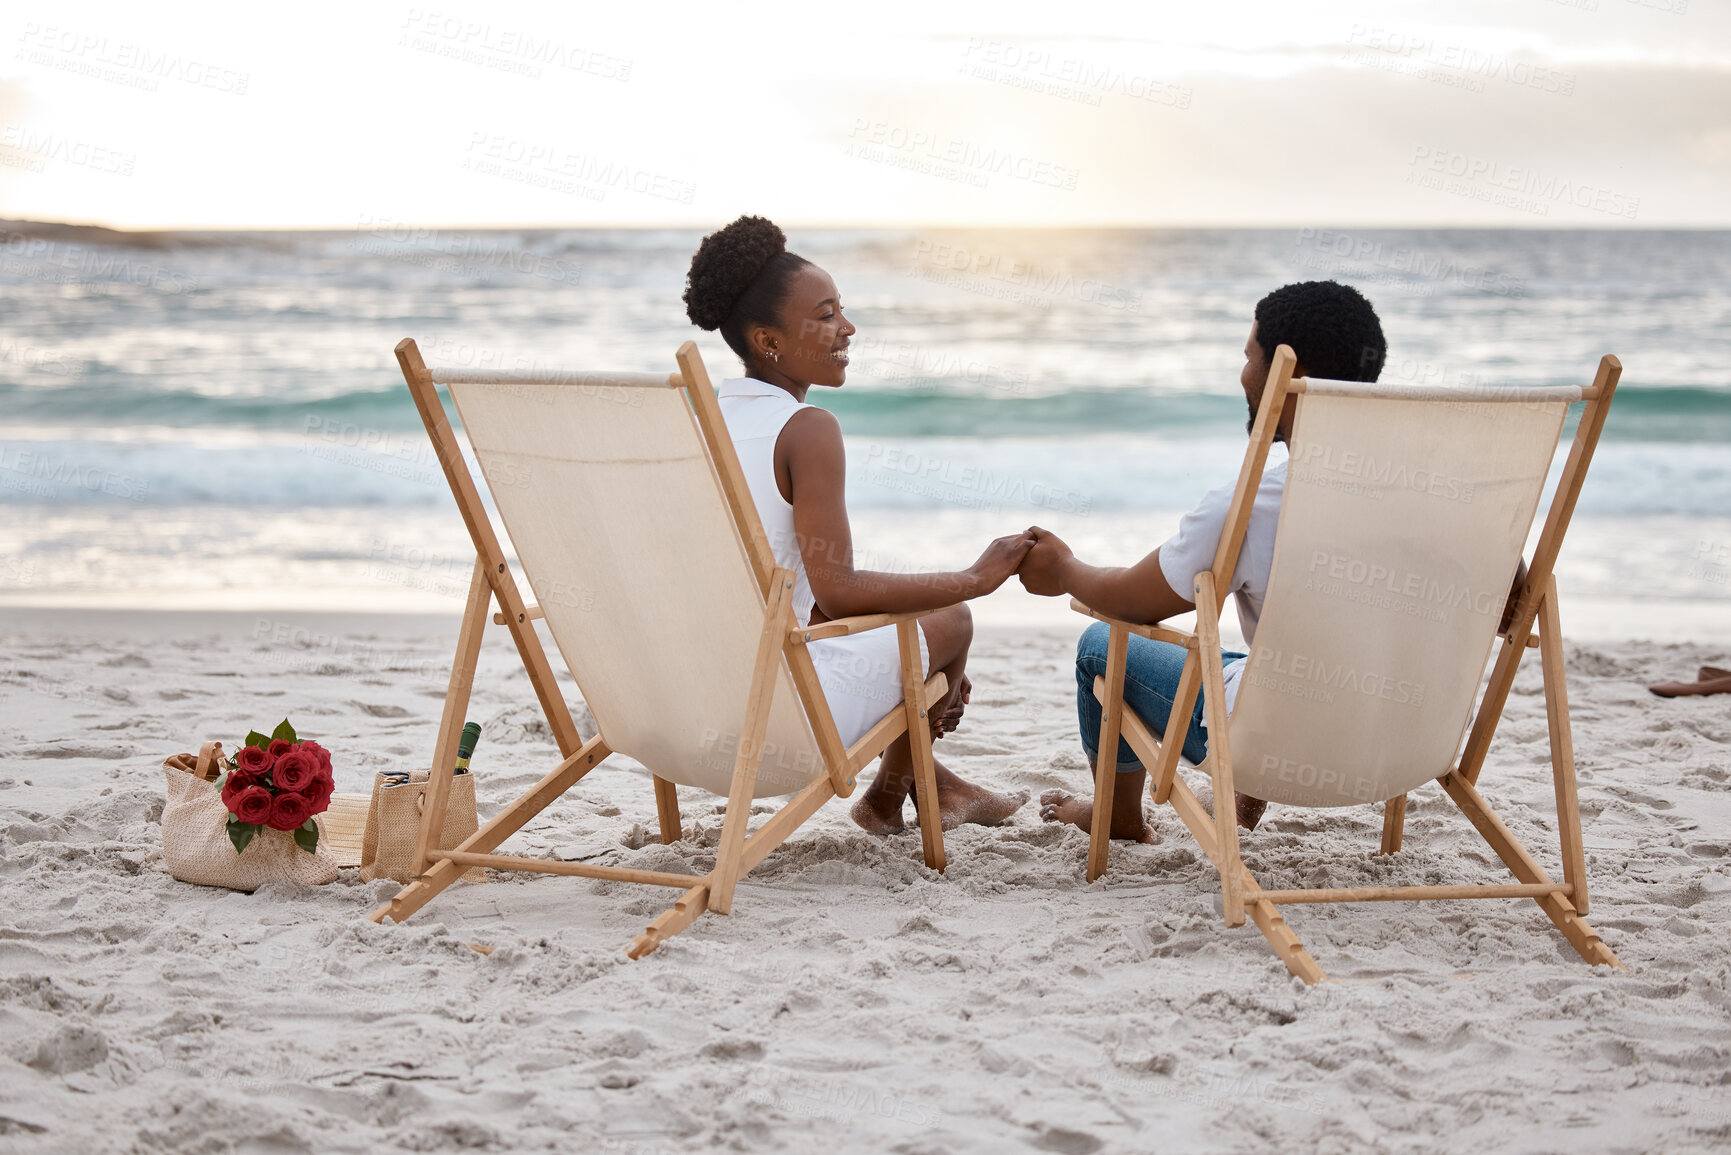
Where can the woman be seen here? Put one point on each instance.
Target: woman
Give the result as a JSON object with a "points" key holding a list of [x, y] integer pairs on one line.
{"points": [[782, 315]]}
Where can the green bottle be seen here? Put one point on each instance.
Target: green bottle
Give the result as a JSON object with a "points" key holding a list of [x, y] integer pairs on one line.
{"points": [[466, 745]]}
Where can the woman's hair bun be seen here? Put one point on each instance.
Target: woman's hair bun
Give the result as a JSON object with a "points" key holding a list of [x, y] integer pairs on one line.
{"points": [[726, 264]]}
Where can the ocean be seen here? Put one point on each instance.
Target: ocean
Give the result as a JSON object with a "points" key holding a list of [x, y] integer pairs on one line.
{"points": [[215, 420]]}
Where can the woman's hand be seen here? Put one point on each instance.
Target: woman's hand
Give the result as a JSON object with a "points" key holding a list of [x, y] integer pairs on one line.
{"points": [[1001, 559]]}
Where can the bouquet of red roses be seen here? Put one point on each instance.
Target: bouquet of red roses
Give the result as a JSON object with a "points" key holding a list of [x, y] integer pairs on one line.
{"points": [[277, 782]]}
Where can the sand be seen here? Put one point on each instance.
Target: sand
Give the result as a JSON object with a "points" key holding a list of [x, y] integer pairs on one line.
{"points": [[855, 1001]]}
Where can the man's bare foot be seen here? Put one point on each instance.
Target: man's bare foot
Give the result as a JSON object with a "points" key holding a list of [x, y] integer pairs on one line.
{"points": [[960, 802], [1062, 806], [873, 815]]}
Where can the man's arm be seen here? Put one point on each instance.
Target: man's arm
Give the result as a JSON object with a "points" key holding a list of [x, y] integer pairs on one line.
{"points": [[1138, 593]]}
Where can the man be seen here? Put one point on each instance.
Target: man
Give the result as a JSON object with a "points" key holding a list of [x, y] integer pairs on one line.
{"points": [[1335, 334]]}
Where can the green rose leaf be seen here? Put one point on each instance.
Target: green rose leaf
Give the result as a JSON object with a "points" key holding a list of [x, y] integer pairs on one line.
{"points": [[283, 731], [307, 836], [240, 833], [262, 741]]}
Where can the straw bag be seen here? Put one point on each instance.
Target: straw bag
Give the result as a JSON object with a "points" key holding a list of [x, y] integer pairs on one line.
{"points": [[394, 822], [195, 844]]}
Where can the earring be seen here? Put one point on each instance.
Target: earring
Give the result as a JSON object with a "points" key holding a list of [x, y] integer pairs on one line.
{"points": [[774, 356]]}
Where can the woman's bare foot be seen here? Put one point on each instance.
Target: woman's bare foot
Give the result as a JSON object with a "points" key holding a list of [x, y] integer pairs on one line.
{"points": [[946, 713], [1062, 806], [960, 801], [873, 814]]}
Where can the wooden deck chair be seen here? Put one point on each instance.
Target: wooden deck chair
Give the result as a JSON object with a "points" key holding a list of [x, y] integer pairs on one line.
{"points": [[1401, 528], [636, 532]]}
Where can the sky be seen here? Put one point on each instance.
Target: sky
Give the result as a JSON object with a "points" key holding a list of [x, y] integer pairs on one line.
{"points": [[1536, 113]]}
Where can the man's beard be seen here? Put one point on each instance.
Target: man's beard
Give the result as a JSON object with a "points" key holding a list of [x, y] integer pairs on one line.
{"points": [[1250, 422]]}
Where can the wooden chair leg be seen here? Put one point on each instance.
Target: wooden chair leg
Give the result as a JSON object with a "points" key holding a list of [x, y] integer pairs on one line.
{"points": [[1562, 748], [920, 744], [1525, 868], [462, 680], [1106, 761], [777, 616], [667, 810], [1219, 750], [1177, 725], [1393, 823]]}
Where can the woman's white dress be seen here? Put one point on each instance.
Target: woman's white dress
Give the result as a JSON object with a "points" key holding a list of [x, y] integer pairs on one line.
{"points": [[861, 673]]}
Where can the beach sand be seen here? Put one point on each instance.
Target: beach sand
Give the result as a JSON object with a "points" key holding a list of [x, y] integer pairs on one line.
{"points": [[854, 1000]]}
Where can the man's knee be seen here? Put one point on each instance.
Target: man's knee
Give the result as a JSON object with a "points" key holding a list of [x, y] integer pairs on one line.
{"points": [[1091, 651]]}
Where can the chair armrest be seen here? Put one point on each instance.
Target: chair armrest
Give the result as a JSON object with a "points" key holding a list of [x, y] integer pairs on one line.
{"points": [[859, 624], [1155, 633]]}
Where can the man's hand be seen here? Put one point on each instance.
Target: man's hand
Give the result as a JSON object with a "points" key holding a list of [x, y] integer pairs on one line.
{"points": [[1042, 568]]}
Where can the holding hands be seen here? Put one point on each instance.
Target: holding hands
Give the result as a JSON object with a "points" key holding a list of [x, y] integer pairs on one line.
{"points": [[1043, 564]]}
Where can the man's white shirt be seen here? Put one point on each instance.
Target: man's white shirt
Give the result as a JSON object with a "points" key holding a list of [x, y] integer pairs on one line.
{"points": [[1191, 550]]}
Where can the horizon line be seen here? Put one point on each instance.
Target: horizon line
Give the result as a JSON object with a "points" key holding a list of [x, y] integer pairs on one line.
{"points": [[878, 226]]}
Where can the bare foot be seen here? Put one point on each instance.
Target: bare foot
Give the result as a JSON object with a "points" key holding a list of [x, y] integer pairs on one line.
{"points": [[946, 713], [960, 802], [1250, 810], [874, 816], [1062, 806]]}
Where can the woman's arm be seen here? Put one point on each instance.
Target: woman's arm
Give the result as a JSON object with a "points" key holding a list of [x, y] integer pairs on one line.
{"points": [[811, 471]]}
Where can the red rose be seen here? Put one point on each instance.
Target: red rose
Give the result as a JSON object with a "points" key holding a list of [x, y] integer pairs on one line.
{"points": [[253, 760], [288, 812], [294, 771], [252, 805], [319, 793], [237, 782], [279, 747], [322, 755]]}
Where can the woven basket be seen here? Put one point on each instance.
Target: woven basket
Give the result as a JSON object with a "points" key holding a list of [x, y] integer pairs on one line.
{"points": [[195, 843], [394, 822]]}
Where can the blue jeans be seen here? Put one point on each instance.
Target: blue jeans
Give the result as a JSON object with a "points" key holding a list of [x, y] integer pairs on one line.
{"points": [[1151, 676]]}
